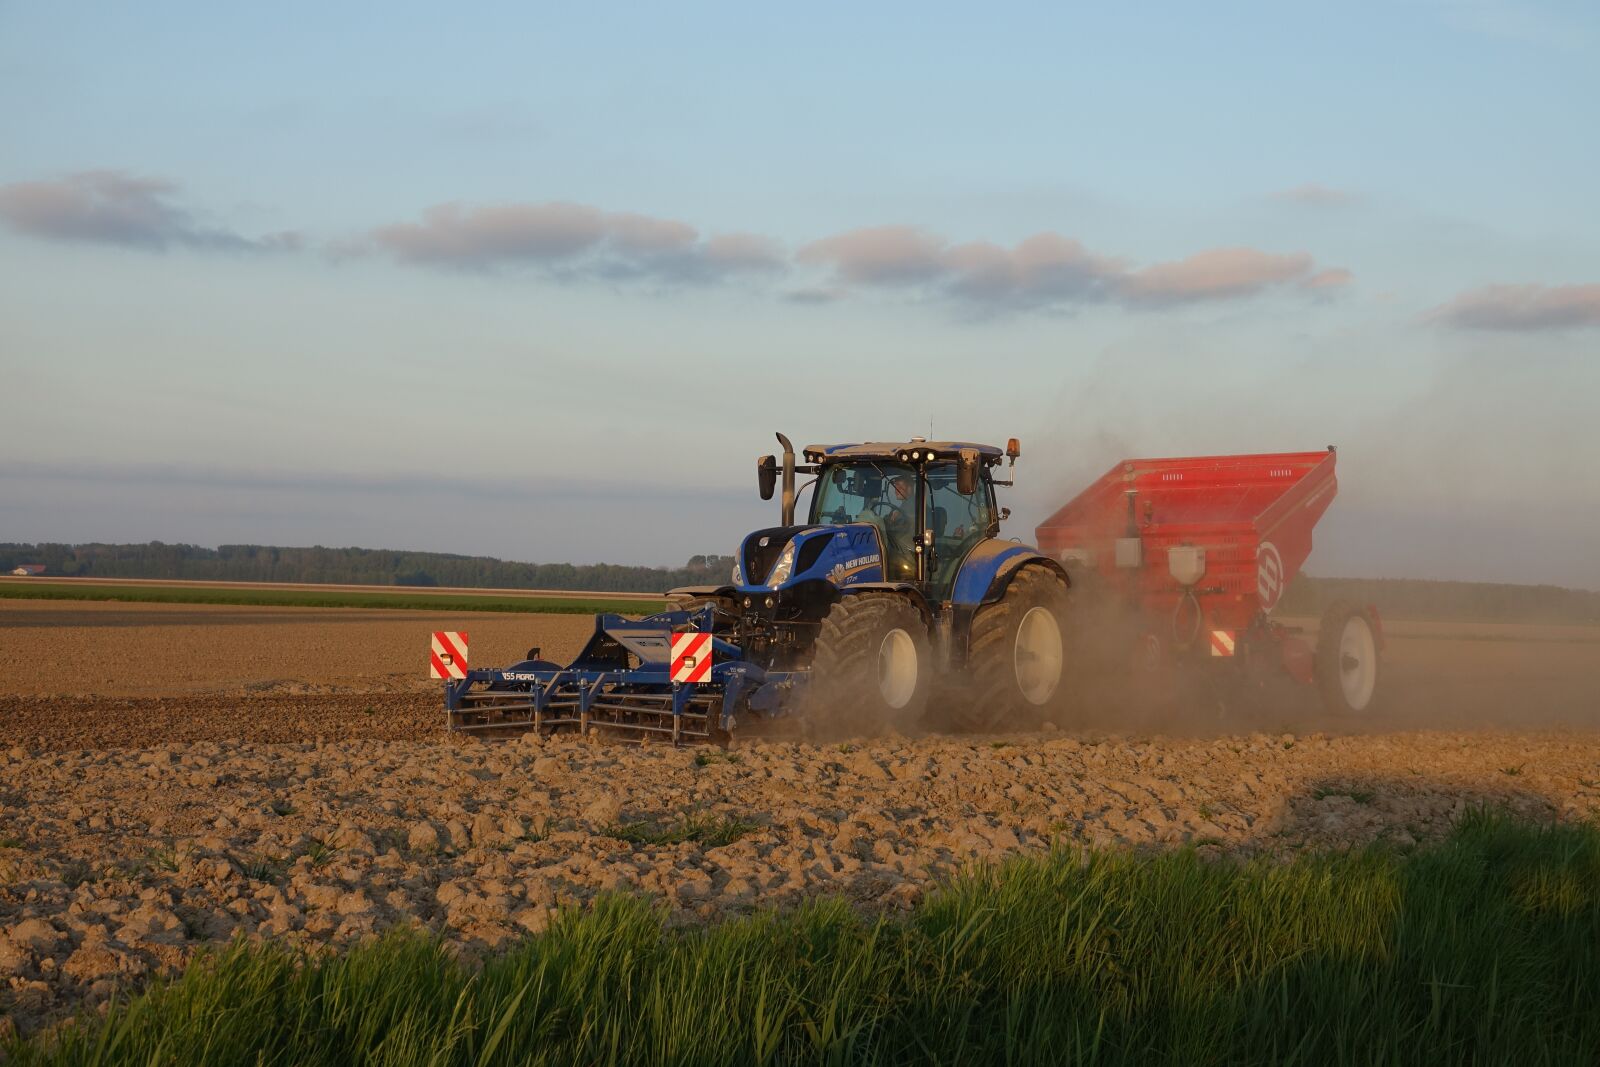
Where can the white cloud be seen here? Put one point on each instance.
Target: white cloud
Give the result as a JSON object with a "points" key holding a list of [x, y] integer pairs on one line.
{"points": [[114, 207], [1523, 307], [576, 239], [1050, 270]]}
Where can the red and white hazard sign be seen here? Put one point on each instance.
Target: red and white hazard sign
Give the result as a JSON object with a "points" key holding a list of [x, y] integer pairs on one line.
{"points": [[691, 657], [449, 655], [1269, 575], [1222, 642]]}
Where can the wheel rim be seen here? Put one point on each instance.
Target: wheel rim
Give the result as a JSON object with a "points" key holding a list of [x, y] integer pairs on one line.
{"points": [[1358, 663], [1037, 657], [897, 668]]}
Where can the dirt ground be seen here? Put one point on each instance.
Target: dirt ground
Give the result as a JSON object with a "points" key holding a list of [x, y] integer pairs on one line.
{"points": [[90, 675], [173, 776], [136, 650]]}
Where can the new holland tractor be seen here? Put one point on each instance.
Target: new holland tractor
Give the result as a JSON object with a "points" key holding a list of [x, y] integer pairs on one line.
{"points": [[897, 584]]}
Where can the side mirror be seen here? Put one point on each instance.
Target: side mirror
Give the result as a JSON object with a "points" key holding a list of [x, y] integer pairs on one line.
{"points": [[767, 476], [967, 472]]}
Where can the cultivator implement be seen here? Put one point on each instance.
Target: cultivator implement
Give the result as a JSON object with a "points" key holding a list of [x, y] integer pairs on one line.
{"points": [[622, 683]]}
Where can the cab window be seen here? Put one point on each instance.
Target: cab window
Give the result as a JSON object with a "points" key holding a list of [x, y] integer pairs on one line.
{"points": [[858, 492], [958, 521], [883, 494]]}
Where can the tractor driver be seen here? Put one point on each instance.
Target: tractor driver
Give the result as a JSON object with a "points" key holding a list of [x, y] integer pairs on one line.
{"points": [[899, 524]]}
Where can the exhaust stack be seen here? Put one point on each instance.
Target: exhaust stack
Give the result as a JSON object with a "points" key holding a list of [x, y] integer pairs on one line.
{"points": [[788, 480]]}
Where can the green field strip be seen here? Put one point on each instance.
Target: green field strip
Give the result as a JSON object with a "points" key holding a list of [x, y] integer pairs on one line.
{"points": [[312, 598]]}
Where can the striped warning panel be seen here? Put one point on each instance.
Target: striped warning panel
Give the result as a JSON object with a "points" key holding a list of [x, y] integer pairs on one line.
{"points": [[449, 655], [1222, 642], [691, 657]]}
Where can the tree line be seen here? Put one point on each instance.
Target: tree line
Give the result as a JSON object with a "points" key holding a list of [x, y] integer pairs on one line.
{"points": [[353, 566], [1415, 598]]}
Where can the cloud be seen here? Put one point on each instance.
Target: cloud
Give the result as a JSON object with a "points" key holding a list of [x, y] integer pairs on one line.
{"points": [[453, 235], [113, 207], [1221, 273], [1049, 270], [1043, 269], [580, 242], [1522, 307], [643, 234], [572, 240], [879, 255], [1314, 195]]}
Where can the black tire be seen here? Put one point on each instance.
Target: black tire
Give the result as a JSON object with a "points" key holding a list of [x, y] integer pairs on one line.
{"points": [[847, 691], [1001, 695], [1349, 664]]}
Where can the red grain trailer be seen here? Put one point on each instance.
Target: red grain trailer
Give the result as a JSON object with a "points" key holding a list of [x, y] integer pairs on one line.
{"points": [[1180, 563]]}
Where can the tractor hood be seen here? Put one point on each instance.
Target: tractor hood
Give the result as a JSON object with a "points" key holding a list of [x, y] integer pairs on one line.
{"points": [[781, 556]]}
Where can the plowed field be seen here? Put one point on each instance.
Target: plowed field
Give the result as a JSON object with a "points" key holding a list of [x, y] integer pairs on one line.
{"points": [[174, 776]]}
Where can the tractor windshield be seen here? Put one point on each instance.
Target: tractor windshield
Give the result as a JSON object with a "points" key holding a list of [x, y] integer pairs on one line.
{"points": [[884, 494]]}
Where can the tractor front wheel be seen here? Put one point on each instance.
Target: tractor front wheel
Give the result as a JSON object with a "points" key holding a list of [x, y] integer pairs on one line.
{"points": [[871, 667], [1017, 654]]}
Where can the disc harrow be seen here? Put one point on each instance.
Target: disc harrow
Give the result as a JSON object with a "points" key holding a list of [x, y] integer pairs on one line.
{"points": [[621, 683]]}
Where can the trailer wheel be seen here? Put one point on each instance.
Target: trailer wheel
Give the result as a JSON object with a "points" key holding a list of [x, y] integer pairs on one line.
{"points": [[1347, 659], [1016, 654], [871, 666]]}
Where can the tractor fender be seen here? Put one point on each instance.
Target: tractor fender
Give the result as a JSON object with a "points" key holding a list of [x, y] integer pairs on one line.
{"points": [[905, 589], [989, 567]]}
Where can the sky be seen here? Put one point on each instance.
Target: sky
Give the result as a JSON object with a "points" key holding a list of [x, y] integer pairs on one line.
{"points": [[542, 281]]}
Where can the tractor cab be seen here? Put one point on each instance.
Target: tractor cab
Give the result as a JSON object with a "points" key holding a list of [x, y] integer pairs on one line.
{"points": [[927, 510]]}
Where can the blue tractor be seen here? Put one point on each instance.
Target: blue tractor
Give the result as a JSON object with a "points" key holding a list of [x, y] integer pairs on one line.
{"points": [[896, 587]]}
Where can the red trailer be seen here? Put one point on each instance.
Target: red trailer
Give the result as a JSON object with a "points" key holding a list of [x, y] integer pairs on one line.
{"points": [[1187, 558]]}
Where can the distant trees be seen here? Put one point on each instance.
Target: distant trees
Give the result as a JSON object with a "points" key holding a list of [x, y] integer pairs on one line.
{"points": [[353, 566], [1414, 598]]}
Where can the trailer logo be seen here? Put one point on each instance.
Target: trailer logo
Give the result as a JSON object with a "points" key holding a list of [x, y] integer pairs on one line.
{"points": [[449, 656], [1269, 575], [691, 657]]}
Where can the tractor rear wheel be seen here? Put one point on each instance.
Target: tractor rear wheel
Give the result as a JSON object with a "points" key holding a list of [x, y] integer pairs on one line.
{"points": [[871, 666], [1016, 654], [1347, 664]]}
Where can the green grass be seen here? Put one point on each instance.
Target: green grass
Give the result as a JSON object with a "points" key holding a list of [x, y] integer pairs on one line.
{"points": [[1485, 949], [317, 598]]}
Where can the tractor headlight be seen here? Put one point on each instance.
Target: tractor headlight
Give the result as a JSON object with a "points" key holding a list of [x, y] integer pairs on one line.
{"points": [[738, 572], [783, 568]]}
